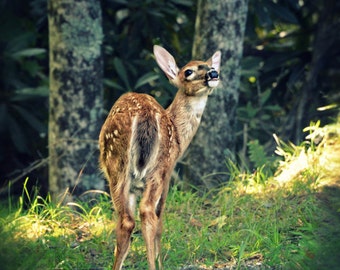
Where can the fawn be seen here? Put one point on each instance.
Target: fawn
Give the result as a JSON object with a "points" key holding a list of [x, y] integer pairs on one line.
{"points": [[140, 143]]}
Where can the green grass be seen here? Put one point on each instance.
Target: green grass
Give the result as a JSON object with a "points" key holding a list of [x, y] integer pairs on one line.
{"points": [[289, 221]]}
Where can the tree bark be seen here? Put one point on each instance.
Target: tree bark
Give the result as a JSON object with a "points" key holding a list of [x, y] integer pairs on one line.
{"points": [[75, 37], [220, 25]]}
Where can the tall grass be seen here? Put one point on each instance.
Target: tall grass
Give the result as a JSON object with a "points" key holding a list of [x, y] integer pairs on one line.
{"points": [[280, 221], [44, 235]]}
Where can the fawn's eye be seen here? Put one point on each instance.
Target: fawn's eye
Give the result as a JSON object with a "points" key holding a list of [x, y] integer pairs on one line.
{"points": [[188, 72]]}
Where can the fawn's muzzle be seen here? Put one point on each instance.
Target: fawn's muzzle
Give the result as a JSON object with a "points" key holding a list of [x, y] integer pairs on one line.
{"points": [[212, 78]]}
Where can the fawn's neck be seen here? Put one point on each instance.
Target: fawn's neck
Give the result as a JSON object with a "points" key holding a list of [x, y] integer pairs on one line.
{"points": [[186, 113]]}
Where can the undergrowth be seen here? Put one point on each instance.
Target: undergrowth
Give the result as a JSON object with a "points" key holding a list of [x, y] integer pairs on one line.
{"points": [[287, 220]]}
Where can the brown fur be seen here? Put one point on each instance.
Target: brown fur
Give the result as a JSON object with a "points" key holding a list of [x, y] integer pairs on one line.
{"points": [[140, 143]]}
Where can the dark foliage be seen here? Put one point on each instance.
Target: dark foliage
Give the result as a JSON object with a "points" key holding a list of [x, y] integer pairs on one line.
{"points": [[23, 88], [290, 69]]}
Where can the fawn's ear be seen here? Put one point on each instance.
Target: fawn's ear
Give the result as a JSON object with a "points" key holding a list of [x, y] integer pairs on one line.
{"points": [[166, 62], [215, 60]]}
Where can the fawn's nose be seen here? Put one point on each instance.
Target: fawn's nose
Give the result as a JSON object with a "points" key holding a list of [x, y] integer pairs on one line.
{"points": [[212, 74]]}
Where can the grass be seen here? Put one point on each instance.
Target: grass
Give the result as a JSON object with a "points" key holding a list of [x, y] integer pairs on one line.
{"points": [[289, 221]]}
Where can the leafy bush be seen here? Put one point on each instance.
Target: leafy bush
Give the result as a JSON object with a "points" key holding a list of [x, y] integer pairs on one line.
{"points": [[284, 81], [24, 90]]}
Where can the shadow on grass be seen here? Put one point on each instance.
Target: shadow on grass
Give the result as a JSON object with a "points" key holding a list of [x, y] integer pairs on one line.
{"points": [[328, 231]]}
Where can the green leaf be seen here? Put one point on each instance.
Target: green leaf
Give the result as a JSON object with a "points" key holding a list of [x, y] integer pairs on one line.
{"points": [[257, 154], [156, 13], [262, 13], [32, 67], [273, 108], [145, 79], [29, 93], [282, 12], [265, 117], [251, 62], [278, 61], [250, 66], [251, 111], [113, 84], [187, 3], [28, 53], [265, 96], [31, 119], [247, 112], [121, 70]]}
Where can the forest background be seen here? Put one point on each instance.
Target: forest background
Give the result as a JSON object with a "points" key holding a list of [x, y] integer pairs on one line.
{"points": [[289, 73]]}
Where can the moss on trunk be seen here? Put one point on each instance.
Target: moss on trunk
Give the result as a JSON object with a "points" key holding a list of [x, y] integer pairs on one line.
{"points": [[75, 37], [220, 25]]}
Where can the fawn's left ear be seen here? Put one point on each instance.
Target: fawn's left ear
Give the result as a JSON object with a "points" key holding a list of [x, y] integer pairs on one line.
{"points": [[215, 60], [166, 62]]}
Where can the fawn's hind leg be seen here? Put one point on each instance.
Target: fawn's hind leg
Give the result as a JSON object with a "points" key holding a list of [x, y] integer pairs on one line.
{"points": [[124, 203]]}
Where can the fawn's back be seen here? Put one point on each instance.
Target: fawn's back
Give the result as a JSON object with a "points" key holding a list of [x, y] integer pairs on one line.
{"points": [[138, 135]]}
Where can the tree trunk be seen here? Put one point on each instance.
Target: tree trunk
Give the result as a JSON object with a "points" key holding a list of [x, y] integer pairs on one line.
{"points": [[75, 37], [220, 25]]}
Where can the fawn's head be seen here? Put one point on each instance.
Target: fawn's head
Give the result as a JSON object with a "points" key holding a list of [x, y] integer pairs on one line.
{"points": [[197, 78]]}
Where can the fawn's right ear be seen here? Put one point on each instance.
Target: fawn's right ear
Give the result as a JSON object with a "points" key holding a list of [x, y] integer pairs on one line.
{"points": [[166, 62]]}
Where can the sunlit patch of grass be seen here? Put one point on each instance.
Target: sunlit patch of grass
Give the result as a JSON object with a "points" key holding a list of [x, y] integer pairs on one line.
{"points": [[235, 227], [44, 235], [273, 226], [273, 223]]}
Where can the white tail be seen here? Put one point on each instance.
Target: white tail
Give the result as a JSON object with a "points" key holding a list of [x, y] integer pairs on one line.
{"points": [[140, 143]]}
